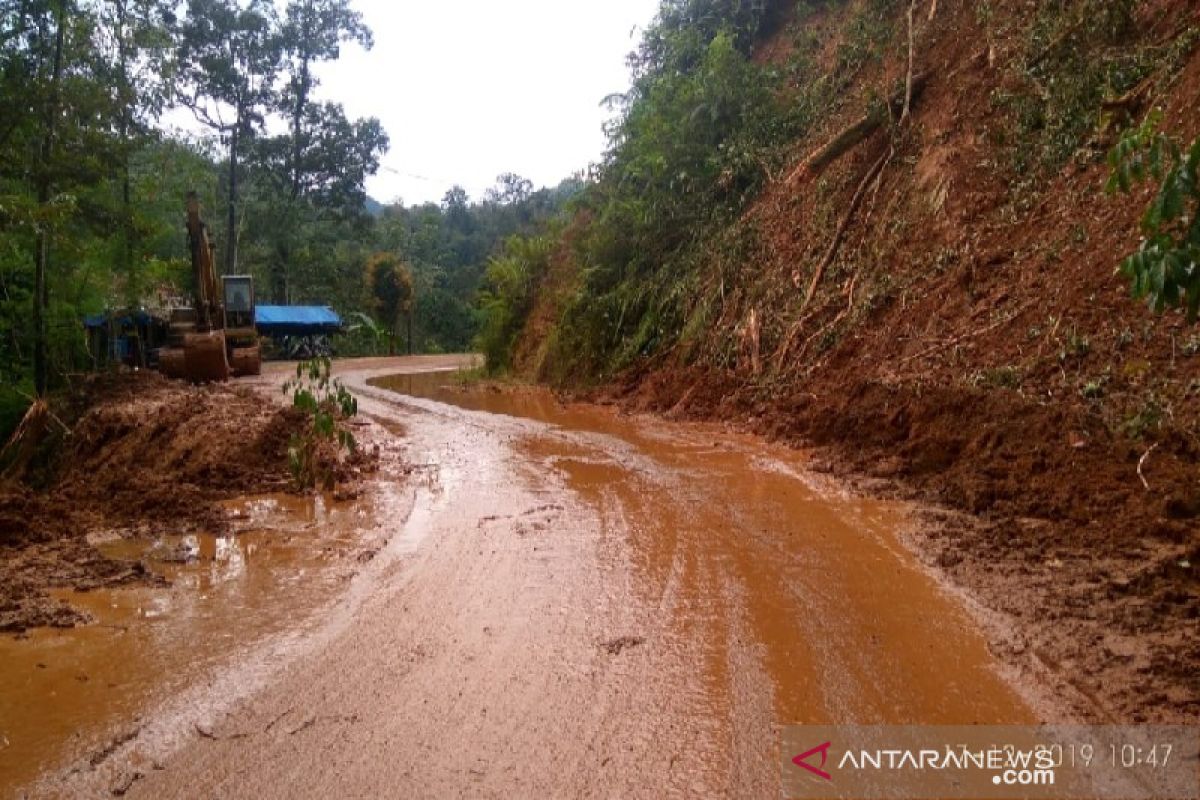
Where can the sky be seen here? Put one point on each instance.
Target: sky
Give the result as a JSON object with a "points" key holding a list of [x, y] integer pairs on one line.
{"points": [[475, 88]]}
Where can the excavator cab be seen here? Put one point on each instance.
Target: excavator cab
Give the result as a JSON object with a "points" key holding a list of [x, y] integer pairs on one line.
{"points": [[241, 337], [239, 301]]}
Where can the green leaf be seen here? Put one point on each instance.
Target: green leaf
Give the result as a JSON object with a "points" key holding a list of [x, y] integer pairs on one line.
{"points": [[1172, 205], [1153, 218], [1193, 299]]}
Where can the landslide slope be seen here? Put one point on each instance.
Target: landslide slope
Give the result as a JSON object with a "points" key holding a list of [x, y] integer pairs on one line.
{"points": [[970, 343]]}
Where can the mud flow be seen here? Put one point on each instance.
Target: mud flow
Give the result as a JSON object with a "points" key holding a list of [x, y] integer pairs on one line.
{"points": [[596, 602], [781, 599], [73, 693]]}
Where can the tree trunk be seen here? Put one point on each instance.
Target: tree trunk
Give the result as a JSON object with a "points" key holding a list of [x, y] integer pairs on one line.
{"points": [[410, 341], [303, 89], [279, 274], [133, 290], [40, 368], [859, 131], [231, 222], [41, 294]]}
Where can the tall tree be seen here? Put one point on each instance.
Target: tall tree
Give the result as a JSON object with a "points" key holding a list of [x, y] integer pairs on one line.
{"points": [[322, 143], [390, 283], [229, 58], [510, 188], [138, 66], [56, 156], [50, 121], [312, 32]]}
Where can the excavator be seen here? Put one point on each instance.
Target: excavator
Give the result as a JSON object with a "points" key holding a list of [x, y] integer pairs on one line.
{"points": [[216, 337]]}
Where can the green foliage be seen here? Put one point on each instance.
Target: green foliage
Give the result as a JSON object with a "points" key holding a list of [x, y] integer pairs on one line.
{"points": [[391, 286], [14, 402], [84, 169], [507, 295], [447, 248], [1006, 377], [1077, 56], [309, 182], [1166, 268], [696, 139], [80, 83], [363, 336], [327, 403], [1147, 419]]}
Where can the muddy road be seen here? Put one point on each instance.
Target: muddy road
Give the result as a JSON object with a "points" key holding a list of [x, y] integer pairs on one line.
{"points": [[561, 602]]}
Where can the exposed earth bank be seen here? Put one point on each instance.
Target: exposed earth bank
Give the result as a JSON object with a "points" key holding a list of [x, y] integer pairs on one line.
{"points": [[1077, 566]]}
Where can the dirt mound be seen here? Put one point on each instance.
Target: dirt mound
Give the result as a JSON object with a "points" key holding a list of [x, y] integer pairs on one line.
{"points": [[144, 456]]}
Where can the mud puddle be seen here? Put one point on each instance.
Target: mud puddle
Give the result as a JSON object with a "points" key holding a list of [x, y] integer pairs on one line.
{"points": [[804, 605], [67, 695]]}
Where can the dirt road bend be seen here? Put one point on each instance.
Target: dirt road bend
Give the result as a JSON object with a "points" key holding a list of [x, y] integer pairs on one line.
{"points": [[579, 604]]}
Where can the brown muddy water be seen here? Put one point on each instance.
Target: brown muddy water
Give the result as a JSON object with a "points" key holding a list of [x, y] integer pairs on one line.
{"points": [[68, 694], [732, 536]]}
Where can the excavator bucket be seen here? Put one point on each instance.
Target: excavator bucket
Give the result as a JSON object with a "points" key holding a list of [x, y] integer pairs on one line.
{"points": [[204, 359], [171, 362], [246, 361]]}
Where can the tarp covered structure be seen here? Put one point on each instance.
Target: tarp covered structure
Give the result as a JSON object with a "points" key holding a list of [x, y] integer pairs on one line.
{"points": [[296, 320], [119, 318]]}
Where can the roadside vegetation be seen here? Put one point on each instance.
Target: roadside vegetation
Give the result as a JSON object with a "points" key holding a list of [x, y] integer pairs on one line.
{"points": [[692, 143], [1166, 268], [316, 448]]}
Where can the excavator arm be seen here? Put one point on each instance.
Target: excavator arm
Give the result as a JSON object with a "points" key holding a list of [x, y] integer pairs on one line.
{"points": [[204, 273]]}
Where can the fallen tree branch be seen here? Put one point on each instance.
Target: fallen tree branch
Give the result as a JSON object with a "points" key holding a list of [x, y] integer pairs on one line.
{"points": [[845, 312], [24, 441], [54, 417], [908, 80], [1142, 463], [912, 85], [858, 132], [793, 332], [840, 234], [966, 336]]}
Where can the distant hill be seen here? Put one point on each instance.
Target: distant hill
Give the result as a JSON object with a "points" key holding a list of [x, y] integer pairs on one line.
{"points": [[373, 207]]}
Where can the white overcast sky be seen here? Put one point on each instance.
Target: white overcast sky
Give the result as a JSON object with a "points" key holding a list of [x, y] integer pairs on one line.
{"points": [[470, 89]]}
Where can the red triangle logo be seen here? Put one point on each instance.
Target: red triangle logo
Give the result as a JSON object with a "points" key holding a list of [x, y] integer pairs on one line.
{"points": [[802, 760]]}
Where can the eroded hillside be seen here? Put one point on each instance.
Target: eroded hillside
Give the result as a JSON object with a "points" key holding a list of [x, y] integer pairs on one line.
{"points": [[912, 259]]}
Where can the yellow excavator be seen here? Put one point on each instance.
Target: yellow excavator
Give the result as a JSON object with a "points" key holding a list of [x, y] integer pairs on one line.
{"points": [[217, 337]]}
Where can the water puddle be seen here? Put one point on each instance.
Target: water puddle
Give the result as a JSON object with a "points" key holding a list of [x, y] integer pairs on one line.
{"points": [[68, 693]]}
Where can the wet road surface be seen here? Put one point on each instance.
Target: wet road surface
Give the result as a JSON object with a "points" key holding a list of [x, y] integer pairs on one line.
{"points": [[574, 603]]}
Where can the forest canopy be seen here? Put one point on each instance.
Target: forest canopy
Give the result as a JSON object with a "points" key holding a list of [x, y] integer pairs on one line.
{"points": [[92, 180]]}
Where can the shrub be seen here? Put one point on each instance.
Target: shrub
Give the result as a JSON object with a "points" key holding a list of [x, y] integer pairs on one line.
{"points": [[313, 452], [1166, 267], [507, 296]]}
